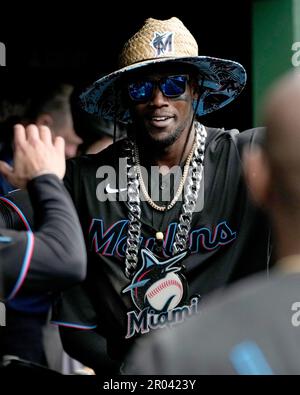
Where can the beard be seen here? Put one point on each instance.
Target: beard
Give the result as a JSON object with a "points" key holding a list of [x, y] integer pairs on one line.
{"points": [[156, 140], [161, 143]]}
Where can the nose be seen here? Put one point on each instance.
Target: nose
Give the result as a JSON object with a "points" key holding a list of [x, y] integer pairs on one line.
{"points": [[76, 139], [158, 99], [71, 150]]}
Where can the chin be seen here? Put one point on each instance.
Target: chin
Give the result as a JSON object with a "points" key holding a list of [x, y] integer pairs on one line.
{"points": [[163, 139]]}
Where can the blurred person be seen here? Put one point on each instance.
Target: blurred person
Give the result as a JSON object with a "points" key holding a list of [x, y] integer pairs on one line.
{"points": [[44, 103], [252, 328], [96, 133], [29, 261], [39, 164], [50, 106]]}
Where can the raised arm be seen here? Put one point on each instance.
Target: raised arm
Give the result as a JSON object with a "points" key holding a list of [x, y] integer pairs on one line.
{"points": [[53, 257]]}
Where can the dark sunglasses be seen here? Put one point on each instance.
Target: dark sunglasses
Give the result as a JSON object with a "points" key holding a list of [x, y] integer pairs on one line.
{"points": [[170, 86]]}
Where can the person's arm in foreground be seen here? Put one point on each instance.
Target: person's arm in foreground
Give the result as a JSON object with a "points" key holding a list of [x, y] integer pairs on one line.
{"points": [[54, 256]]}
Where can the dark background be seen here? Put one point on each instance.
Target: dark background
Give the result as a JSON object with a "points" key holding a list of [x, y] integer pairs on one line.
{"points": [[80, 43]]}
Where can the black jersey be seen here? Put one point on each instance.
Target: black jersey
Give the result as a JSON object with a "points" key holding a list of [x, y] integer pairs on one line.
{"points": [[229, 238], [49, 259]]}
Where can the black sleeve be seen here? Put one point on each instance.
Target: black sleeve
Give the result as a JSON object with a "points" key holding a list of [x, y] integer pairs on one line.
{"points": [[54, 256], [16, 211], [77, 320], [88, 347]]}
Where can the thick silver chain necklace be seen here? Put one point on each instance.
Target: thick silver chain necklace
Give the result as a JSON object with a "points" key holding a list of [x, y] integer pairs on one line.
{"points": [[189, 202]]}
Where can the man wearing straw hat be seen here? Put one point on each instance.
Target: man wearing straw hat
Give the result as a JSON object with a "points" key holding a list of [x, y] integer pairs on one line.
{"points": [[165, 212]]}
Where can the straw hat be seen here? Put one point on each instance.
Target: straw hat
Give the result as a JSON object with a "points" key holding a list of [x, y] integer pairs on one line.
{"points": [[161, 42]]}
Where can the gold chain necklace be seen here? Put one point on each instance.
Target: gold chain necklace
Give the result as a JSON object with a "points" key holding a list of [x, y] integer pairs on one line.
{"points": [[181, 184]]}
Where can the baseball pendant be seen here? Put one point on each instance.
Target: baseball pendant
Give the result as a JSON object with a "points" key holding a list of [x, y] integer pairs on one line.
{"points": [[159, 284]]}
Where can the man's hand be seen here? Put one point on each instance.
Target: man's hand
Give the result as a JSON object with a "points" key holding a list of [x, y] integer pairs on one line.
{"points": [[34, 154]]}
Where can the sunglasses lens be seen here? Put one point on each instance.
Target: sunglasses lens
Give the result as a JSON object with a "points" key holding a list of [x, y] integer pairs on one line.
{"points": [[174, 86], [141, 90], [171, 86]]}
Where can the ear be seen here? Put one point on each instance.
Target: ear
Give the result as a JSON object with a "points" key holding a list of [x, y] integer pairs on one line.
{"points": [[257, 175], [45, 120]]}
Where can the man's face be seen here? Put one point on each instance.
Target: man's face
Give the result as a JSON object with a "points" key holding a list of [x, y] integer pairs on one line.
{"points": [[161, 118]]}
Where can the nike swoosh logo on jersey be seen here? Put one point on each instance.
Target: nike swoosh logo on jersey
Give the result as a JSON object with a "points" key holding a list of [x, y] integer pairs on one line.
{"points": [[108, 189]]}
